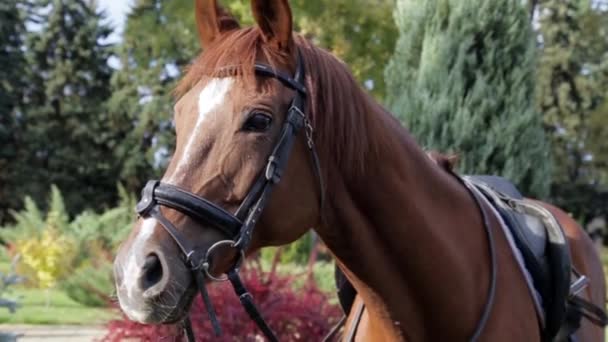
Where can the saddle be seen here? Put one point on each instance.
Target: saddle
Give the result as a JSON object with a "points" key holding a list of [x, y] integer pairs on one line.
{"points": [[545, 253]]}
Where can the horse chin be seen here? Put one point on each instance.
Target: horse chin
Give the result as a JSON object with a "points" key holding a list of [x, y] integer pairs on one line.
{"points": [[182, 308]]}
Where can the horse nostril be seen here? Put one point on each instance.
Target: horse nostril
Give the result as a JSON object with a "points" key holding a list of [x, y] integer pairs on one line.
{"points": [[152, 272]]}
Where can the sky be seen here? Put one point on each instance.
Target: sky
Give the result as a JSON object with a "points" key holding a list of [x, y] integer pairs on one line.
{"points": [[116, 11]]}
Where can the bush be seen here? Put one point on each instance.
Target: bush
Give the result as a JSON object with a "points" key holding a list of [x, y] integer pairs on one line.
{"points": [[53, 247], [91, 284], [45, 259], [107, 229], [303, 314]]}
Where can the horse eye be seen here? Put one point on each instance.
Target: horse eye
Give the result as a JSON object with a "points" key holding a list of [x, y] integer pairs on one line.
{"points": [[258, 122]]}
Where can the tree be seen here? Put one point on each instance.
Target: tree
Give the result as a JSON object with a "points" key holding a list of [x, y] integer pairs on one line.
{"points": [[572, 81], [66, 136], [160, 39], [358, 31], [466, 86], [12, 64]]}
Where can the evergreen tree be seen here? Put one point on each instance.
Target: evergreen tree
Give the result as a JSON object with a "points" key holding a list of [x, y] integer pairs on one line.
{"points": [[12, 64], [67, 138], [462, 80]]}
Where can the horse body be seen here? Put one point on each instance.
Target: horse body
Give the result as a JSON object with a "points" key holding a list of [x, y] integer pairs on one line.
{"points": [[514, 316], [406, 233]]}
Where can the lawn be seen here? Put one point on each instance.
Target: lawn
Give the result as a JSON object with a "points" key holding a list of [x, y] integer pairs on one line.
{"points": [[61, 309]]}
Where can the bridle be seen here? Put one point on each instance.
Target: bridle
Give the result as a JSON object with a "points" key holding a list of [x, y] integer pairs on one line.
{"points": [[237, 227]]}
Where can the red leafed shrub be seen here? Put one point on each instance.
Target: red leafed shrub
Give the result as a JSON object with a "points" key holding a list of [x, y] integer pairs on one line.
{"points": [[294, 315]]}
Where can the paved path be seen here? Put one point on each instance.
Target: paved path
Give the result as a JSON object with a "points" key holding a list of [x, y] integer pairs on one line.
{"points": [[55, 333]]}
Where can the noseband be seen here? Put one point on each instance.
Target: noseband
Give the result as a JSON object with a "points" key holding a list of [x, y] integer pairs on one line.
{"points": [[237, 227]]}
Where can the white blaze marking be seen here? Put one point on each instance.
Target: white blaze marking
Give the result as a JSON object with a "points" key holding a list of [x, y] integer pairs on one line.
{"points": [[208, 100], [135, 259]]}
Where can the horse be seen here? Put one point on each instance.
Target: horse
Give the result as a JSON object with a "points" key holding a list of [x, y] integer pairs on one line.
{"points": [[275, 137]]}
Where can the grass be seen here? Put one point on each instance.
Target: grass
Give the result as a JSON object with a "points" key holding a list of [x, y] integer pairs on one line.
{"points": [[61, 309]]}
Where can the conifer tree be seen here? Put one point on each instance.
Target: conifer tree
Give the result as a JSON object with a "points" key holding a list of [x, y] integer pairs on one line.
{"points": [[12, 64], [462, 80], [67, 140]]}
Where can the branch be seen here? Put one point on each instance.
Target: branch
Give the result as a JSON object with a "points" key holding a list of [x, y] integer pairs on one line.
{"points": [[533, 5]]}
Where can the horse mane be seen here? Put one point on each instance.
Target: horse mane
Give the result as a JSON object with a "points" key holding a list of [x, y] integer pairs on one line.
{"points": [[341, 112]]}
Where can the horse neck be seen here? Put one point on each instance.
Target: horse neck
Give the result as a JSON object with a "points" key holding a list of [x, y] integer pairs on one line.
{"points": [[408, 236]]}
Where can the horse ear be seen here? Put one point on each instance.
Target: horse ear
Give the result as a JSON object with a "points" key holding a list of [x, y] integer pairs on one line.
{"points": [[275, 21], [212, 20]]}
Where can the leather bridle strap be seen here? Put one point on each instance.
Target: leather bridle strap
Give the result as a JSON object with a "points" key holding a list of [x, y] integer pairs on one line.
{"points": [[272, 174], [247, 301], [157, 193]]}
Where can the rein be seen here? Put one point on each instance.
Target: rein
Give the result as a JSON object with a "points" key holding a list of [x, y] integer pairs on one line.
{"points": [[237, 227]]}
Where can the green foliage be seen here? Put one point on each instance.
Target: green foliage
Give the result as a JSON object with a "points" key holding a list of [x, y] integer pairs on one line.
{"points": [[91, 284], [151, 57], [297, 252], [57, 216], [51, 244], [566, 96], [466, 86], [322, 271], [28, 222], [31, 222], [45, 259], [572, 79], [358, 31], [105, 230], [42, 242]]}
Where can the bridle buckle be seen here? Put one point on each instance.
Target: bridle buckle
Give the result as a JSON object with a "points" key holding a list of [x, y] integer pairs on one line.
{"points": [[272, 174]]}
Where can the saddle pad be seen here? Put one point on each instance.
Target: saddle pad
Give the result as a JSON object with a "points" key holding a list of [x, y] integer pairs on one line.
{"points": [[536, 296], [538, 238]]}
